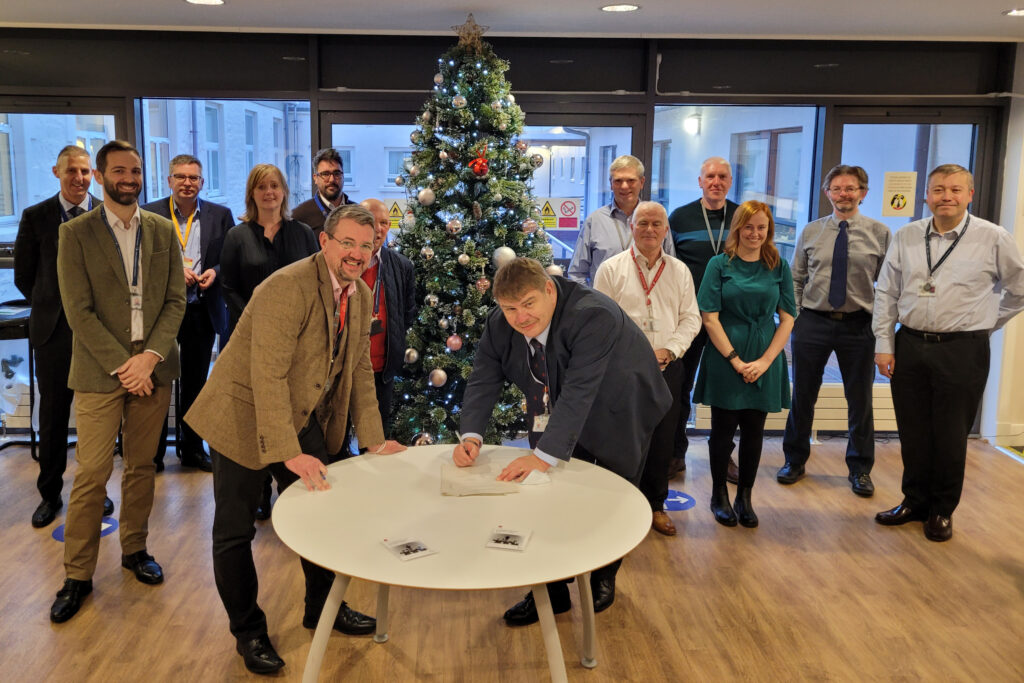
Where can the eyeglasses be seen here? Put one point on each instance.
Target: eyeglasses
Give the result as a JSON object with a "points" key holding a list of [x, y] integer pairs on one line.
{"points": [[366, 247], [181, 177], [849, 189], [327, 175]]}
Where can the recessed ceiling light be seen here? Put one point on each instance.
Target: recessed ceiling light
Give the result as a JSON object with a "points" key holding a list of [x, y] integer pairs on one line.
{"points": [[205, 2], [620, 8], [293, 58], [561, 61], [1018, 12], [827, 65]]}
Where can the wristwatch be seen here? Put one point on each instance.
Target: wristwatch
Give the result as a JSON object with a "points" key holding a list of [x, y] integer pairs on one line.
{"points": [[732, 354]]}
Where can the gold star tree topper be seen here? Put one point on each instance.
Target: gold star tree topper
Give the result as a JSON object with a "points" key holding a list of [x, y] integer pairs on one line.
{"points": [[469, 33]]}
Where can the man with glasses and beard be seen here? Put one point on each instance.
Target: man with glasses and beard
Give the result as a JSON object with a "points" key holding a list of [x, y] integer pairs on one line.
{"points": [[329, 179], [120, 274]]}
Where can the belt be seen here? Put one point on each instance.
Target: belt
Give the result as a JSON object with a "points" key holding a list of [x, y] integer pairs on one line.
{"points": [[836, 315], [939, 337]]}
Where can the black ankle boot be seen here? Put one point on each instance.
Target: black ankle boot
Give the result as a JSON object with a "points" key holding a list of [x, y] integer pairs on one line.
{"points": [[720, 506], [744, 510]]}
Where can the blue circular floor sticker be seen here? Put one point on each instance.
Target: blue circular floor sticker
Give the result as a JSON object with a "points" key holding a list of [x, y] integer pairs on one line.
{"points": [[677, 500], [107, 526]]}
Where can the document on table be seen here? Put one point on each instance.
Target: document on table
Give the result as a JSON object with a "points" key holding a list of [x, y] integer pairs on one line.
{"points": [[477, 480]]}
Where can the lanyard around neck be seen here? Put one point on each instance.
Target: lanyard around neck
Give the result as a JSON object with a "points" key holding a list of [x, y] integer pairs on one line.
{"points": [[928, 245], [721, 229], [117, 245], [188, 227]]}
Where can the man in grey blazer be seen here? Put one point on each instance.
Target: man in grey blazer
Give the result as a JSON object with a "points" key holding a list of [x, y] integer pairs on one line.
{"points": [[35, 274], [120, 277], [199, 227], [592, 384]]}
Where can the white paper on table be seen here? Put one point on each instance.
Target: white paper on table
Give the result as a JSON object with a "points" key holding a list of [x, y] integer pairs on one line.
{"points": [[477, 480]]}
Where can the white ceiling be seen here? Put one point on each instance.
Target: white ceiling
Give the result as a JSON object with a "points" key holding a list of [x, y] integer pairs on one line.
{"points": [[845, 19]]}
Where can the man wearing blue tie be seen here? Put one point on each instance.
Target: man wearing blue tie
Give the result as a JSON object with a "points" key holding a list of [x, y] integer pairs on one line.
{"points": [[835, 266]]}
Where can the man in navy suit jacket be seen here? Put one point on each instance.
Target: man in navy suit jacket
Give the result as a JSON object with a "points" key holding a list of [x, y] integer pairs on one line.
{"points": [[593, 387], [200, 228], [35, 275]]}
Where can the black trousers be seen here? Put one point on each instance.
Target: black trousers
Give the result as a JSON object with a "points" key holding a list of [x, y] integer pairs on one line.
{"points": [[53, 364], [815, 337], [691, 363], [720, 445], [195, 348], [236, 493], [654, 479], [936, 391]]}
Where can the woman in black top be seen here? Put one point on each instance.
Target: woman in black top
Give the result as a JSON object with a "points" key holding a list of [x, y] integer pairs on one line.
{"points": [[267, 239]]}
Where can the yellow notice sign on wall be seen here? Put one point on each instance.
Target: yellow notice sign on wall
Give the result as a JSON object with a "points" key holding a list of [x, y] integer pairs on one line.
{"points": [[900, 193]]}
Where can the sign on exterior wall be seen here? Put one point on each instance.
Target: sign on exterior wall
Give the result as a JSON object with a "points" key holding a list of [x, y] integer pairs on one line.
{"points": [[899, 194]]}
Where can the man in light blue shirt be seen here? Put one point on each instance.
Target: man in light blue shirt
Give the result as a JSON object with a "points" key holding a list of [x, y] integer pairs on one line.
{"points": [[606, 232]]}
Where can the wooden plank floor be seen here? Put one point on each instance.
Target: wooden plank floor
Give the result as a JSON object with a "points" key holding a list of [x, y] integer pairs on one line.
{"points": [[818, 592]]}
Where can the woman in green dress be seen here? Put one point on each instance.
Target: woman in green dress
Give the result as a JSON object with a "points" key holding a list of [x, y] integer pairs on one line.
{"points": [[745, 376]]}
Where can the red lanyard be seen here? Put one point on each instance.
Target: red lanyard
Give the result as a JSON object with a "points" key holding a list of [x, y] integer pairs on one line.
{"points": [[643, 280]]}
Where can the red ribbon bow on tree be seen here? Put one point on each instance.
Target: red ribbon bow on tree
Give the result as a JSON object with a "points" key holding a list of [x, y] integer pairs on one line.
{"points": [[479, 165]]}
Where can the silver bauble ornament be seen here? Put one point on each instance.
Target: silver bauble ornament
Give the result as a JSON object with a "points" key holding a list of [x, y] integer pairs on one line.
{"points": [[415, 137], [454, 226], [511, 98], [408, 223], [443, 323], [414, 170], [423, 440], [442, 155], [530, 226], [497, 197], [454, 342], [503, 255], [459, 102], [553, 269], [411, 355], [521, 145], [438, 79], [502, 126], [430, 300], [496, 105], [463, 259], [438, 377], [399, 180], [536, 160], [425, 116], [427, 253], [425, 196]]}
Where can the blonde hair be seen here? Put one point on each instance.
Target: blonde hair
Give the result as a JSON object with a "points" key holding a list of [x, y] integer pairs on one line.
{"points": [[257, 175]]}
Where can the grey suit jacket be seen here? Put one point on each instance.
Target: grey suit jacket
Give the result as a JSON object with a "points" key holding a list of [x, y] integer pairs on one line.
{"points": [[607, 392], [97, 301], [277, 370]]}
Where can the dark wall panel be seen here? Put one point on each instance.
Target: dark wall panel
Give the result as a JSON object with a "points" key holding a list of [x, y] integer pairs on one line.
{"points": [[148, 62], [833, 67]]}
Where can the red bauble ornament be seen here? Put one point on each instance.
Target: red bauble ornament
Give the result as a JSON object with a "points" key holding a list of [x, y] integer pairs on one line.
{"points": [[482, 285], [454, 342]]}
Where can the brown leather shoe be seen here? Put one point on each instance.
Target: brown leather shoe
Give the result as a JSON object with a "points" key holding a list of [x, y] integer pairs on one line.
{"points": [[662, 523], [732, 475]]}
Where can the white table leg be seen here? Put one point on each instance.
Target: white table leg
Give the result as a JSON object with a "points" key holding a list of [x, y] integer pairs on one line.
{"points": [[323, 628], [381, 636], [589, 630], [552, 644]]}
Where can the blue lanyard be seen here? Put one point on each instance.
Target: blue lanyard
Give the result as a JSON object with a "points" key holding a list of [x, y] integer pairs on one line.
{"points": [[117, 245], [323, 209], [64, 218], [376, 285]]}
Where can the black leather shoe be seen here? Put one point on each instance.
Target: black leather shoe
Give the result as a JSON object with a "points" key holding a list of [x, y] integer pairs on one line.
{"points": [[46, 512], [159, 462], [677, 466], [144, 566], [263, 509], [732, 475], [743, 509], [69, 600], [790, 473], [901, 514], [861, 484], [108, 506], [604, 593], [198, 459], [938, 528], [524, 612], [349, 622], [259, 655], [721, 507]]}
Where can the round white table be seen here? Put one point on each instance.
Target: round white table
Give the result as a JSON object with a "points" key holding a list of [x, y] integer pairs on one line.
{"points": [[585, 518]]}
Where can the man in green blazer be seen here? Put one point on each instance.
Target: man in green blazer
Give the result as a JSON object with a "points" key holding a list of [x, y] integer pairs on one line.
{"points": [[277, 400], [123, 290]]}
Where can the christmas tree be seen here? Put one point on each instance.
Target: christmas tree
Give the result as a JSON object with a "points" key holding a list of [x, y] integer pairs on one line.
{"points": [[468, 185]]}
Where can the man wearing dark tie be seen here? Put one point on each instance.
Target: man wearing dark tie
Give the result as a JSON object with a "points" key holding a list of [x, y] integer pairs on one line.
{"points": [[35, 275], [593, 388], [199, 227], [329, 180], [835, 266], [124, 294]]}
